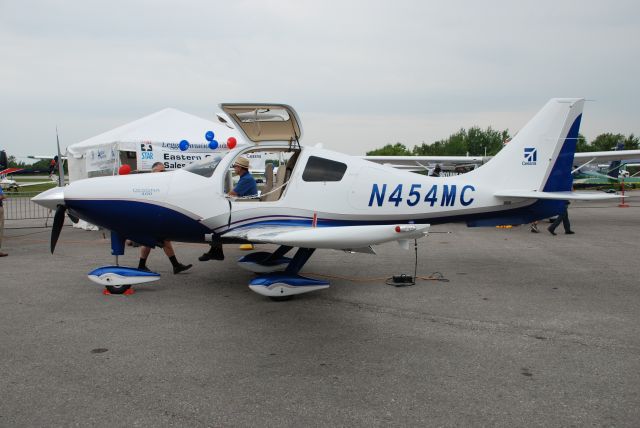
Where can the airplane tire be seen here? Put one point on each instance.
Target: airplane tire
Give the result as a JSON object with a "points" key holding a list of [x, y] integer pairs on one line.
{"points": [[117, 289]]}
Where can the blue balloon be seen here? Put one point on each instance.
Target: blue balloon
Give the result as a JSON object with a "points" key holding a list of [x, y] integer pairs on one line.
{"points": [[209, 135], [213, 145], [184, 145]]}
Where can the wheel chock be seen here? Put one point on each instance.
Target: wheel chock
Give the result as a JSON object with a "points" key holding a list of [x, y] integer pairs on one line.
{"points": [[128, 292]]}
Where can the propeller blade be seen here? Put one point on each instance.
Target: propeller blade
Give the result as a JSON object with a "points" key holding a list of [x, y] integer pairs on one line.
{"points": [[73, 218], [58, 221]]}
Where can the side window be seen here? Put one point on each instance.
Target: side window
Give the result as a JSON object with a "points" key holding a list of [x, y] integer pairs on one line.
{"points": [[320, 169]]}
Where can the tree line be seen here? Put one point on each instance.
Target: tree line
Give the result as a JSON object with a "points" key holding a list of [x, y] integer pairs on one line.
{"points": [[42, 164], [478, 142]]}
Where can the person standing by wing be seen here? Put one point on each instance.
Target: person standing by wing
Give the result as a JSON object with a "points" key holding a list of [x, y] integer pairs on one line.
{"points": [[2, 198], [166, 245], [563, 218], [246, 187]]}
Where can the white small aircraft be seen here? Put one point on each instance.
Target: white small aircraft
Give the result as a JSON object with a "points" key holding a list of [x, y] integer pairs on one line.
{"points": [[7, 183], [11, 184], [462, 164], [321, 199]]}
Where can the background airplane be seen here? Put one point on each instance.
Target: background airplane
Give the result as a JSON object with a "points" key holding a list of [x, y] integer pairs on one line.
{"points": [[591, 173], [9, 183], [587, 170], [6, 182]]}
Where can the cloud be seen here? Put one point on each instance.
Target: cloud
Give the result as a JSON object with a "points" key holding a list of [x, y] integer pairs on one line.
{"points": [[361, 74]]}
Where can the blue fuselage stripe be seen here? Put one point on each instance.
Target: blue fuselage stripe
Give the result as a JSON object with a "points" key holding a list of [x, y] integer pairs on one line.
{"points": [[149, 223]]}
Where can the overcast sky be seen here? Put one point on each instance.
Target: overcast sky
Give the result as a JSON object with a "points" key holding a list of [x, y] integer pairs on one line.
{"points": [[361, 74]]}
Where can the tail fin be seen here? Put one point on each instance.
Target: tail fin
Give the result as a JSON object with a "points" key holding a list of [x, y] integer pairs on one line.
{"points": [[614, 166], [540, 156]]}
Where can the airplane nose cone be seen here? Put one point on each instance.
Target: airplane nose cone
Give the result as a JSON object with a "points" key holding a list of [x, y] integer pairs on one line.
{"points": [[50, 198]]}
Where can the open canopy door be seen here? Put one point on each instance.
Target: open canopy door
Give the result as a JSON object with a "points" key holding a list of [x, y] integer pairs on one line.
{"points": [[265, 122]]}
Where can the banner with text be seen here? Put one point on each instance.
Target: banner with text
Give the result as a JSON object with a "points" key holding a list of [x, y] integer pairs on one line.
{"points": [[171, 156], [102, 158]]}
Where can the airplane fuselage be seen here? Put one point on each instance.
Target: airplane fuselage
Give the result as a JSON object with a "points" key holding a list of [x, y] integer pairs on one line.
{"points": [[185, 206]]}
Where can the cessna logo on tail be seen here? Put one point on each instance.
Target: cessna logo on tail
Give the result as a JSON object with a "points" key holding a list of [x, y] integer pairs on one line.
{"points": [[530, 156]]}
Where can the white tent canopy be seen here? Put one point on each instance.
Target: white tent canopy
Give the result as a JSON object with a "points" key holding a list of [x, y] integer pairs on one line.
{"points": [[164, 129]]}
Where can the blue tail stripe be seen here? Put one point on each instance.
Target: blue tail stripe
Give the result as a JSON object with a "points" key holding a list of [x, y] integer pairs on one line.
{"points": [[560, 178]]}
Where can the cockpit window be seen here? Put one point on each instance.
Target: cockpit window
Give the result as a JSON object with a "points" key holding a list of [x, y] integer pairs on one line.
{"points": [[320, 169], [204, 167]]}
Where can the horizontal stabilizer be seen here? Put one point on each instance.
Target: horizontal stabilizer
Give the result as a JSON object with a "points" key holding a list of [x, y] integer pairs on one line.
{"points": [[572, 196]]}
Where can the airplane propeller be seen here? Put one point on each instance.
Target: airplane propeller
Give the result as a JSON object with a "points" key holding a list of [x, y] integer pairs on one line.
{"points": [[58, 221], [73, 218]]}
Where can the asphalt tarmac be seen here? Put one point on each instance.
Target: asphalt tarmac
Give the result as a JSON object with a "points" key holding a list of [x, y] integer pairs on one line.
{"points": [[530, 330]]}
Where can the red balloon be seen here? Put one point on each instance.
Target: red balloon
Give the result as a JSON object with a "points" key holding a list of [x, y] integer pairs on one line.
{"points": [[231, 142], [124, 170]]}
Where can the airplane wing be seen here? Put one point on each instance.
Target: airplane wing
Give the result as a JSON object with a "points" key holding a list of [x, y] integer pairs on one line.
{"points": [[574, 196], [411, 162], [338, 238], [36, 183], [608, 156], [10, 171], [43, 157]]}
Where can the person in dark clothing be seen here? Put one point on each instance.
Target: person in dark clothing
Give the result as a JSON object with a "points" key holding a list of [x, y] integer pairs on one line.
{"points": [[53, 164], [564, 218], [2, 197]]}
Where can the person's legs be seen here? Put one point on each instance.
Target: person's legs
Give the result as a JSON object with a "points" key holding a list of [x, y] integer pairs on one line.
{"points": [[556, 223], [168, 249], [566, 224], [178, 267], [144, 254], [1, 230], [215, 252]]}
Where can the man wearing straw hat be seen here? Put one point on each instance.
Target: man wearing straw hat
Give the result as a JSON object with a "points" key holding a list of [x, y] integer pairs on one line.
{"points": [[247, 184], [246, 187]]}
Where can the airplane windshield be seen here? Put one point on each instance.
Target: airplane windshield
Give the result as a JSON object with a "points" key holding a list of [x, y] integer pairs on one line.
{"points": [[204, 167]]}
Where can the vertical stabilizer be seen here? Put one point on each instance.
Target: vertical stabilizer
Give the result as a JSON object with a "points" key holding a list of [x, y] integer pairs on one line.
{"points": [[540, 156], [614, 166]]}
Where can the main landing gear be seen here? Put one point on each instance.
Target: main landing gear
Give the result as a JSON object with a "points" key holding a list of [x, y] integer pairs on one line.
{"points": [[279, 279]]}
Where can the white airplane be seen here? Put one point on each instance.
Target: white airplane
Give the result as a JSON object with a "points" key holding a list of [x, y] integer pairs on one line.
{"points": [[458, 164], [321, 199], [11, 184], [7, 183]]}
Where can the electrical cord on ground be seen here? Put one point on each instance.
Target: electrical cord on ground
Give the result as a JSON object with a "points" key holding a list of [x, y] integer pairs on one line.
{"points": [[434, 276], [401, 280]]}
